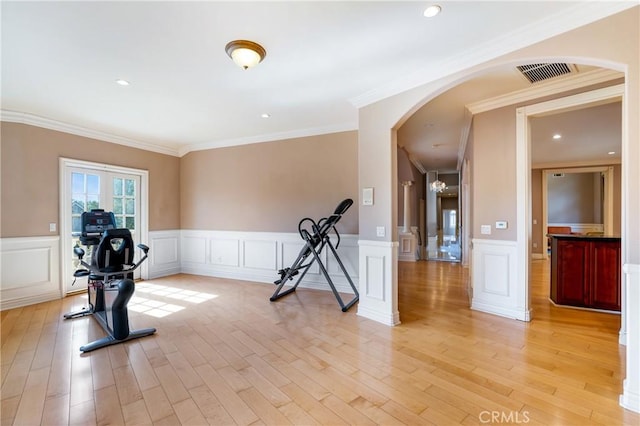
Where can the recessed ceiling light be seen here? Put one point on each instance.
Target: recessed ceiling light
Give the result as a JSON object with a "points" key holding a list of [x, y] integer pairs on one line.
{"points": [[265, 115], [432, 11], [122, 82], [611, 152], [557, 136]]}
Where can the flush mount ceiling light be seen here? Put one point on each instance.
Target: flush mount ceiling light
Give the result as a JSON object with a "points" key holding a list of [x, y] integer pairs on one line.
{"points": [[245, 53], [122, 82], [557, 136], [432, 11]]}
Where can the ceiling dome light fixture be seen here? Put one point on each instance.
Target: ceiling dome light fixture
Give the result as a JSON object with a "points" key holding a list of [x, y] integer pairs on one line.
{"points": [[245, 53], [432, 11]]}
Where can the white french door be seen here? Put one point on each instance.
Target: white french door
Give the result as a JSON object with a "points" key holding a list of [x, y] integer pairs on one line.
{"points": [[86, 186]]}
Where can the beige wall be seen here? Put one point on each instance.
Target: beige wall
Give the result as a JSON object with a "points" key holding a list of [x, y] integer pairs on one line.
{"points": [[30, 177], [270, 186], [572, 198], [494, 189]]}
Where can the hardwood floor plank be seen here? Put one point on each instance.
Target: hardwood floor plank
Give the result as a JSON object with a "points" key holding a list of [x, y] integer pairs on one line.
{"points": [[170, 382], [32, 402], [232, 403], [142, 368], [267, 412], [313, 406], [136, 413], [213, 412], [108, 407], [157, 403], [226, 355], [268, 390], [184, 370], [188, 413], [56, 410]]}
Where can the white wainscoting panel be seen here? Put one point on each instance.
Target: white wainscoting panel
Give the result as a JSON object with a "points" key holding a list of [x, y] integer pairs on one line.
{"points": [[630, 398], [225, 252], [30, 271], [257, 256], [495, 279], [379, 281], [164, 253]]}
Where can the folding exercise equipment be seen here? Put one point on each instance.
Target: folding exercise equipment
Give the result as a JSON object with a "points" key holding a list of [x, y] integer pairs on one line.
{"points": [[316, 237], [110, 282]]}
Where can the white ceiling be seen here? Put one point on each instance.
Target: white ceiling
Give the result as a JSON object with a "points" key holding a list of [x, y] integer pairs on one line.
{"points": [[324, 59]]}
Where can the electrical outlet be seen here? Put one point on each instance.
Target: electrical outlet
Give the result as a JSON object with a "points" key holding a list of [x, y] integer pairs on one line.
{"points": [[485, 229], [380, 231], [52, 227], [501, 224]]}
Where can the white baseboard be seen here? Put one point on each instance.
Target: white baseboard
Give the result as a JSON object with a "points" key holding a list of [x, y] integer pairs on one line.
{"points": [[30, 271]]}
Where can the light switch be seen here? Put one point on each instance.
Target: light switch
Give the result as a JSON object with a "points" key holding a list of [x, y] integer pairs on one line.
{"points": [[380, 231], [367, 196], [485, 229]]}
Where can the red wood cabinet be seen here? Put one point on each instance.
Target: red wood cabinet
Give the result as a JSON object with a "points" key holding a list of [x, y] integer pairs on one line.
{"points": [[585, 271]]}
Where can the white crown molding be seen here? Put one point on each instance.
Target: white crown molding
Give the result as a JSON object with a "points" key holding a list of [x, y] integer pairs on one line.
{"points": [[299, 133], [579, 15], [549, 88], [418, 165], [47, 123]]}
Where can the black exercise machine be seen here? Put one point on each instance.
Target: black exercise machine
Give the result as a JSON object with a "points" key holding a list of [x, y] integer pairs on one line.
{"points": [[316, 237], [110, 282]]}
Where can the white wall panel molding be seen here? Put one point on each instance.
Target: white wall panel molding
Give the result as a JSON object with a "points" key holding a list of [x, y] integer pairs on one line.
{"points": [[257, 256], [630, 335], [379, 281], [164, 253], [495, 279], [30, 271]]}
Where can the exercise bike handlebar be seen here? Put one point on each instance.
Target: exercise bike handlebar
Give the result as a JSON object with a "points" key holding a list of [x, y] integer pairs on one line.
{"points": [[79, 252]]}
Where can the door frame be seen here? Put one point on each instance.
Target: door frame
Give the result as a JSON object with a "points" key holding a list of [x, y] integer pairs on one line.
{"points": [[523, 177], [65, 226]]}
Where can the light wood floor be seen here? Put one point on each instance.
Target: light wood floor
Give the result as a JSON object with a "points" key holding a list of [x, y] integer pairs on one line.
{"points": [[224, 354]]}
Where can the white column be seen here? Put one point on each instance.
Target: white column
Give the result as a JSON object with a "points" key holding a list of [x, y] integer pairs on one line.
{"points": [[407, 206]]}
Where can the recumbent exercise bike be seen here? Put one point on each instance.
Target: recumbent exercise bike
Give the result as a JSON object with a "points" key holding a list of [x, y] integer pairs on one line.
{"points": [[110, 283]]}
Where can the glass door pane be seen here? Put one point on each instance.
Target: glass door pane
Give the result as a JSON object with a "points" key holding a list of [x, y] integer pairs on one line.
{"points": [[85, 196]]}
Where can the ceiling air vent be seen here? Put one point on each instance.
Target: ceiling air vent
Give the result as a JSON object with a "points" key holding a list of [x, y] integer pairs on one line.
{"points": [[540, 72]]}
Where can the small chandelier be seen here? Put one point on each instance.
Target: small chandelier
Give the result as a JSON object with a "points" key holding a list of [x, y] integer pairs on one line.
{"points": [[437, 186], [245, 53]]}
